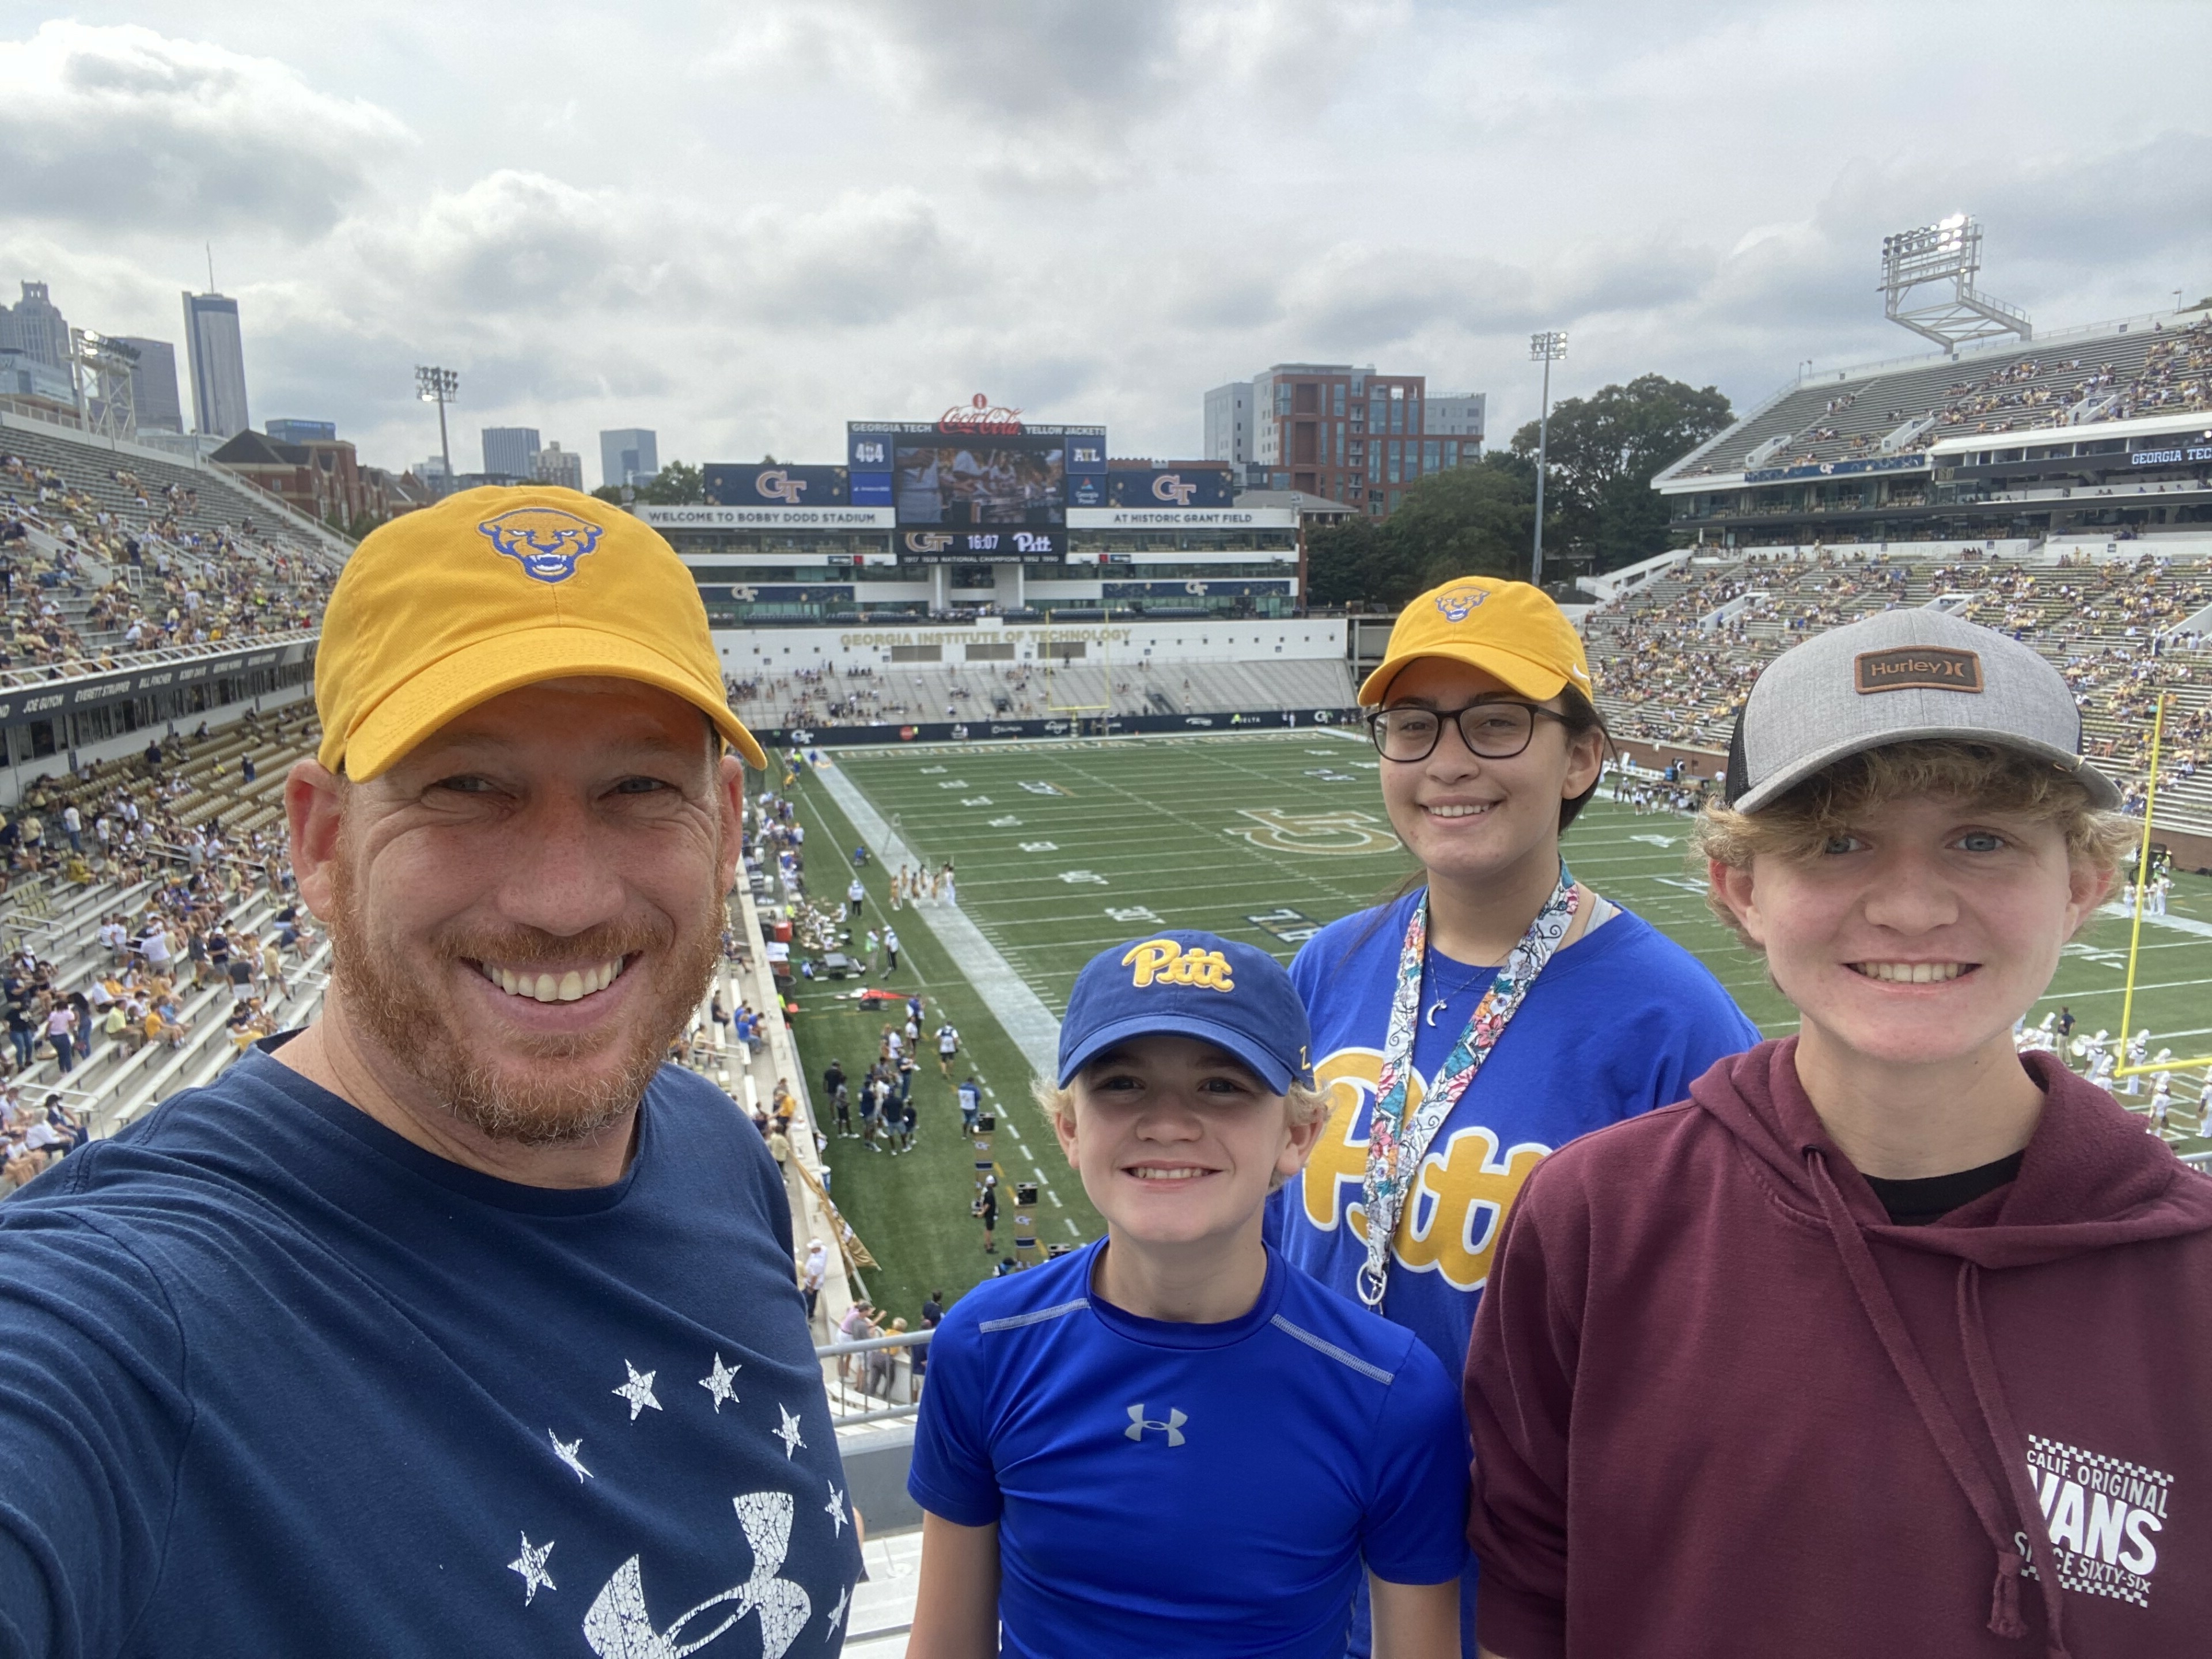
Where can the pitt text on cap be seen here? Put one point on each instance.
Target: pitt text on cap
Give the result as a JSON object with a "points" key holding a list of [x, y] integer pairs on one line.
{"points": [[1168, 962], [1917, 668]]}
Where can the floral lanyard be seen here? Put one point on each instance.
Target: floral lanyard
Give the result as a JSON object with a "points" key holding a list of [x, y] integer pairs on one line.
{"points": [[1396, 1144]]}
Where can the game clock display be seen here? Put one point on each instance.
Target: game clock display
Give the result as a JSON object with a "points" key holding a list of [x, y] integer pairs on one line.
{"points": [[976, 485]]}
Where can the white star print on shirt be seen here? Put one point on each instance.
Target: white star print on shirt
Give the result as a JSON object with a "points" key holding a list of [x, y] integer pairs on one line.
{"points": [[638, 1390], [531, 1564], [718, 1383], [570, 1452], [835, 1506], [837, 1612], [788, 1433]]}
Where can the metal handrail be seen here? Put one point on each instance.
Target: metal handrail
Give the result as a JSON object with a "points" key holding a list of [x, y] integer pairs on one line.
{"points": [[901, 1339]]}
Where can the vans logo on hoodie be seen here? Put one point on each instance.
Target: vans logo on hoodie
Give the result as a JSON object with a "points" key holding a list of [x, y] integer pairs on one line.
{"points": [[2104, 1516]]}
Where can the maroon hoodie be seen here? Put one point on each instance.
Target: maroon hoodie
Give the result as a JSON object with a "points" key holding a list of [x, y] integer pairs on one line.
{"points": [[1722, 1407]]}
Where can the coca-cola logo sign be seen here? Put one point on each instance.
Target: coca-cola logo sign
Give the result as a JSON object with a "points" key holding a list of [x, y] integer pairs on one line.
{"points": [[980, 416]]}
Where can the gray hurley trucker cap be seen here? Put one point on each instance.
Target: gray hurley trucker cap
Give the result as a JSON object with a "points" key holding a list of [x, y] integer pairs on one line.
{"points": [[1893, 678]]}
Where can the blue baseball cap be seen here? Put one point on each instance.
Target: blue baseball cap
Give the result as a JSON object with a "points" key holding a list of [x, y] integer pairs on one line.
{"points": [[1217, 990]]}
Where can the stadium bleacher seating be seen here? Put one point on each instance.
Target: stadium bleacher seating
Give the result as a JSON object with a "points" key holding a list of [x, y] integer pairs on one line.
{"points": [[107, 556], [1672, 660], [1031, 691], [2105, 376]]}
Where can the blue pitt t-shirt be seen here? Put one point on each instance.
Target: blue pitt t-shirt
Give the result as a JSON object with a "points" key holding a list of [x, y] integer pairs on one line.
{"points": [[276, 1381], [1619, 1022], [1172, 1489]]}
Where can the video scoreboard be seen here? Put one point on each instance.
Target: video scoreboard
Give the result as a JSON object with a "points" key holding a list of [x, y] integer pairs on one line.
{"points": [[977, 485]]}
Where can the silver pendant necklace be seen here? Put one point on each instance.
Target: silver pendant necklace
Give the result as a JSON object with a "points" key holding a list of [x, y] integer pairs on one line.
{"points": [[1442, 1002]]}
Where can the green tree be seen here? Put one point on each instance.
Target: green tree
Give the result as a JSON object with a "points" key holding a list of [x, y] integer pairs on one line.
{"points": [[609, 493], [1605, 449], [1345, 568], [674, 485], [1474, 520]]}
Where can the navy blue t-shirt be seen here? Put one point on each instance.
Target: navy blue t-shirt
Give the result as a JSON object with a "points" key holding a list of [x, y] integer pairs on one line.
{"points": [[1168, 1488], [274, 1380]]}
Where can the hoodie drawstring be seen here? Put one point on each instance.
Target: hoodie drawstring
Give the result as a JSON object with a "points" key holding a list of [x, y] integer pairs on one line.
{"points": [[2005, 1434], [1936, 1414]]}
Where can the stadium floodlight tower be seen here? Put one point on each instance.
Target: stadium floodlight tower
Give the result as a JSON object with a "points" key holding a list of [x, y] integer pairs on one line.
{"points": [[102, 374], [1949, 252], [438, 386], [1547, 348]]}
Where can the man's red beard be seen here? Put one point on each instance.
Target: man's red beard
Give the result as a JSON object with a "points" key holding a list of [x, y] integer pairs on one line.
{"points": [[569, 1088]]}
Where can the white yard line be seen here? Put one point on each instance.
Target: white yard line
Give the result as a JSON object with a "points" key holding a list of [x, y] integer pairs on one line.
{"points": [[1020, 1012], [2125, 909]]}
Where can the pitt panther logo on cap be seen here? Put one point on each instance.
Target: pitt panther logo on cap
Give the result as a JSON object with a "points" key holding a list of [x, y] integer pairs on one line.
{"points": [[1458, 603], [1916, 668], [543, 540], [1164, 961]]}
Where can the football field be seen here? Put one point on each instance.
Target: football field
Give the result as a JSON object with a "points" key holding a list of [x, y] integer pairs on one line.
{"points": [[1062, 848]]}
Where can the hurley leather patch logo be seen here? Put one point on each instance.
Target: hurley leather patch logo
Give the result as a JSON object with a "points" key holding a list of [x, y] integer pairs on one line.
{"points": [[1917, 668]]}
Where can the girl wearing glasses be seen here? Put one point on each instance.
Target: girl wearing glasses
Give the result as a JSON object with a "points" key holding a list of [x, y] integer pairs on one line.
{"points": [[1497, 1007]]}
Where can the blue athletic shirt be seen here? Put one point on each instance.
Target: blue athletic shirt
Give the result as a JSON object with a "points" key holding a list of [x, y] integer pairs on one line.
{"points": [[274, 1381], [1182, 1489], [1619, 1022]]}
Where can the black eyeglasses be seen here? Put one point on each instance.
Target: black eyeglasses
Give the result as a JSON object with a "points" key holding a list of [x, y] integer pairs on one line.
{"points": [[1493, 729]]}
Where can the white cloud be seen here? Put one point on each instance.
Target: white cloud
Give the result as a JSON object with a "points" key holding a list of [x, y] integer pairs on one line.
{"points": [[743, 226], [115, 128]]}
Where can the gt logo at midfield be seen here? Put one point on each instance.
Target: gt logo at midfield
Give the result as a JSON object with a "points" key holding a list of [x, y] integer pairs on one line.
{"points": [[1343, 832], [1167, 961], [1452, 1218]]}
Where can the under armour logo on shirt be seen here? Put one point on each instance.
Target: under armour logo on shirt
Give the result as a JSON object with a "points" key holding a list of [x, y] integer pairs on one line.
{"points": [[1172, 1428]]}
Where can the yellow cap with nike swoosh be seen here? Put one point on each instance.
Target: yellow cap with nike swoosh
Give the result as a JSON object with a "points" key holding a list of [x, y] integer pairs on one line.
{"points": [[1506, 629]]}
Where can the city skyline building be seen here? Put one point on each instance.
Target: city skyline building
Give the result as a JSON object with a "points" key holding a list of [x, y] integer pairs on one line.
{"points": [[510, 451], [1228, 425], [153, 384], [628, 455], [562, 467], [1461, 418], [34, 327], [1345, 433], [216, 355]]}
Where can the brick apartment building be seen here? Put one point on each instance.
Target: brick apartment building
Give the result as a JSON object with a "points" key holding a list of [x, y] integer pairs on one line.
{"points": [[320, 478], [1343, 431]]}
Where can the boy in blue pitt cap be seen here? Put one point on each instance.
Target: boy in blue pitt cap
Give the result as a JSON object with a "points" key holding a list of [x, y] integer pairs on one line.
{"points": [[1172, 1441]]}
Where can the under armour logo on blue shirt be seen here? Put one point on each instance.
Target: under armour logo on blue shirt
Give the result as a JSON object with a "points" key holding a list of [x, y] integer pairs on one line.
{"points": [[1172, 1428]]}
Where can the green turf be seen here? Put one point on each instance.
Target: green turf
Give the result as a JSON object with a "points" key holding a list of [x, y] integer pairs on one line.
{"points": [[1064, 848]]}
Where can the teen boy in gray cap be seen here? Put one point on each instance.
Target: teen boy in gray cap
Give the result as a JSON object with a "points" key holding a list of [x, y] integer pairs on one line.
{"points": [[1887, 1340]]}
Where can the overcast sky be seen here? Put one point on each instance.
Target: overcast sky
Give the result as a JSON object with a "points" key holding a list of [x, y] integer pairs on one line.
{"points": [[743, 224]]}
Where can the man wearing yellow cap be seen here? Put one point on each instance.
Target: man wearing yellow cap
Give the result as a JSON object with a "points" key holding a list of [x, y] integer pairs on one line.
{"points": [[1497, 1007], [454, 1322]]}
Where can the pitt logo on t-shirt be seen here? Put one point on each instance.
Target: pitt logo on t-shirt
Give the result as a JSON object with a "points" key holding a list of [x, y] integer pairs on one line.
{"points": [[1165, 961]]}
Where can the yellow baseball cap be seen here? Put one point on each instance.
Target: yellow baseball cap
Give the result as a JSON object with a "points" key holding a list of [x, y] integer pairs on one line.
{"points": [[1510, 630], [494, 589]]}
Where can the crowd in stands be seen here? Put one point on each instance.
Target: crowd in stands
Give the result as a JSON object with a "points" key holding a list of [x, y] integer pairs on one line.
{"points": [[84, 585], [1673, 660], [2154, 371]]}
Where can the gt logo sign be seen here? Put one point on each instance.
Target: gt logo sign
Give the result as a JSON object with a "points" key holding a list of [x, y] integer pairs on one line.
{"points": [[1169, 487], [1140, 1424], [780, 486], [1347, 831]]}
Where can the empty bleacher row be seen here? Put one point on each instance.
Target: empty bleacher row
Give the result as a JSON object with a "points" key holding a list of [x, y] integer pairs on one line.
{"points": [[2105, 376], [891, 696], [106, 555]]}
